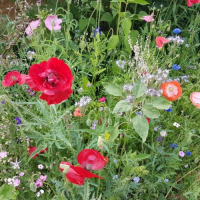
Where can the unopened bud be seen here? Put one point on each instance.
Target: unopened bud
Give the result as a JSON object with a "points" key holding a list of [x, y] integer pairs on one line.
{"points": [[100, 143], [65, 168]]}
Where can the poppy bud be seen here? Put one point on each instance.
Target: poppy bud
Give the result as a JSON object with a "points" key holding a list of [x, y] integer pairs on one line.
{"points": [[109, 121], [65, 168], [100, 143], [89, 122]]}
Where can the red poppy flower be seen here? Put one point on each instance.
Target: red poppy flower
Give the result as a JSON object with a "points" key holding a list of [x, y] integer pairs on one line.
{"points": [[13, 77], [191, 2], [76, 174], [171, 90], [91, 159], [148, 120], [160, 41], [33, 149], [54, 78]]}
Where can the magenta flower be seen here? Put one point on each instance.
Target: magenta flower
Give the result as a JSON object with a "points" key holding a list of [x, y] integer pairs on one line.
{"points": [[103, 99], [38, 183], [32, 26], [53, 23], [148, 18], [181, 154], [43, 178]]}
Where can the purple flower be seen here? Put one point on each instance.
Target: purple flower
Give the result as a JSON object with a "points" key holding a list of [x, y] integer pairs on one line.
{"points": [[170, 109], [3, 102], [173, 146], [43, 177], [18, 120], [16, 182], [136, 179], [166, 180], [181, 154], [38, 183], [94, 125], [159, 139], [97, 30]]}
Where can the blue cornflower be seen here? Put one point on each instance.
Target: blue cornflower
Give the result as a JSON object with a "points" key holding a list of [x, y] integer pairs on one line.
{"points": [[176, 67], [177, 30], [173, 146], [136, 179], [18, 120], [97, 30], [188, 153], [169, 110]]}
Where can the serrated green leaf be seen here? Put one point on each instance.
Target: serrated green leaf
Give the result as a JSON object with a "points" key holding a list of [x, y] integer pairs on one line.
{"points": [[122, 106], [113, 89], [139, 89], [161, 103], [150, 112], [141, 126]]}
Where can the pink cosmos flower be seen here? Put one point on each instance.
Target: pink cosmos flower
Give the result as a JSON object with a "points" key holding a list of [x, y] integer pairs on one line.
{"points": [[103, 99], [148, 18], [181, 154], [32, 26], [195, 98], [53, 22]]}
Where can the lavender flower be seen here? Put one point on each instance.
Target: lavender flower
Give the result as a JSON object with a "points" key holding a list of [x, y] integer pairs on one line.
{"points": [[18, 120]]}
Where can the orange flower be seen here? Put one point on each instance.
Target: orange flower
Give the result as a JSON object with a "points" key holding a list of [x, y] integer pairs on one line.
{"points": [[160, 41], [171, 90], [77, 113], [195, 98]]}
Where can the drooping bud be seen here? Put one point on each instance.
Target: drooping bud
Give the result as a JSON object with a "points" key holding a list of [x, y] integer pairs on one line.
{"points": [[65, 168]]}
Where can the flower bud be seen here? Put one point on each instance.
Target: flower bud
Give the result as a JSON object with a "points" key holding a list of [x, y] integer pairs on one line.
{"points": [[89, 122], [65, 168], [100, 143]]}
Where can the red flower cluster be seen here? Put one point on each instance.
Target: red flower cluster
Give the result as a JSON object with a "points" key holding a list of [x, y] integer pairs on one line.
{"points": [[191, 2], [33, 149], [53, 78], [89, 159]]}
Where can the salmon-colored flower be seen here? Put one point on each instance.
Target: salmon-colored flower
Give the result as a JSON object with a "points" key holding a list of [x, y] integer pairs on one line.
{"points": [[160, 41], [171, 90], [77, 113], [13, 77], [148, 18], [195, 99], [191, 2]]}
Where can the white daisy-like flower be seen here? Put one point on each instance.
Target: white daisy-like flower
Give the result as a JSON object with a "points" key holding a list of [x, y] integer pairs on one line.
{"points": [[163, 134], [176, 124]]}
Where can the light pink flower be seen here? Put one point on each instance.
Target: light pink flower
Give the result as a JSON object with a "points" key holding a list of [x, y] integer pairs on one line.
{"points": [[21, 174], [3, 154], [148, 18], [103, 99], [16, 182], [32, 26], [43, 178], [53, 22], [38, 183], [181, 154], [195, 98]]}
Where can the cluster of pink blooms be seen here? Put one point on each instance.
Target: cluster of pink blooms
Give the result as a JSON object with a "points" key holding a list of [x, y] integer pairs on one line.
{"points": [[3, 154], [39, 181], [51, 22]]}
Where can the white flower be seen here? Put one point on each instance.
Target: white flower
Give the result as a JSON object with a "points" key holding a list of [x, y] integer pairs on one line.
{"points": [[15, 164], [120, 63], [40, 166], [42, 191], [163, 134], [38, 194], [176, 124]]}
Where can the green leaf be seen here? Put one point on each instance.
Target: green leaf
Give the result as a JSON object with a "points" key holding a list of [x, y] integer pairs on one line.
{"points": [[107, 17], [114, 132], [140, 156], [8, 192], [161, 103], [139, 89], [141, 2], [126, 26], [82, 24], [113, 89], [150, 112], [122, 106], [113, 41], [141, 126]]}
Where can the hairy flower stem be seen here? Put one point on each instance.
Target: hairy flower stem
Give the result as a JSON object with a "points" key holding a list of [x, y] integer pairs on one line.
{"points": [[118, 20], [122, 151], [181, 179]]}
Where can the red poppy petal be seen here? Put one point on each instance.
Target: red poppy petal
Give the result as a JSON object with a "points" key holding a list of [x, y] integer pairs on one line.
{"points": [[33, 149], [91, 157], [58, 97], [74, 177], [11, 78], [85, 173], [31, 84], [22, 79]]}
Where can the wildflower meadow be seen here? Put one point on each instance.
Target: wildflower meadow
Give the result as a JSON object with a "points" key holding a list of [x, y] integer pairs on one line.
{"points": [[100, 100]]}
